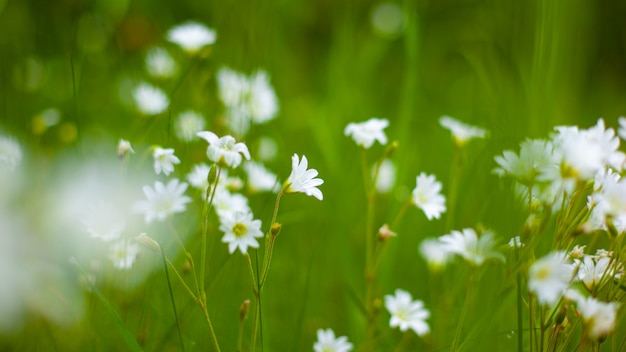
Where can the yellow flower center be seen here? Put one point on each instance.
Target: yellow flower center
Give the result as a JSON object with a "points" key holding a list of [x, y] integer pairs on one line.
{"points": [[239, 229]]}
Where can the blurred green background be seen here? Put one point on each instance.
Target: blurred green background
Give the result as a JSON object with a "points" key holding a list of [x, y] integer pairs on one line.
{"points": [[516, 68]]}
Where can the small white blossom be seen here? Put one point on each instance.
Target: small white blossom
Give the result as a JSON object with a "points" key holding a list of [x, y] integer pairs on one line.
{"points": [[435, 253], [427, 196], [461, 132], [387, 19], [198, 176], [365, 133], [549, 277], [188, 124], [163, 200], [599, 317], [593, 271], [621, 131], [150, 100], [10, 154], [386, 176], [191, 36], [406, 313], [164, 160], [473, 249], [240, 231], [124, 148], [327, 342], [224, 150], [226, 203], [260, 179], [104, 221], [302, 180], [534, 155], [515, 242], [160, 64], [123, 254]]}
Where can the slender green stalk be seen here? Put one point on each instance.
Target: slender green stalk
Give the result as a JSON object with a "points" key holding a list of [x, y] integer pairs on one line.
{"points": [[208, 202], [453, 185], [169, 286], [187, 254], [171, 265], [466, 304]]}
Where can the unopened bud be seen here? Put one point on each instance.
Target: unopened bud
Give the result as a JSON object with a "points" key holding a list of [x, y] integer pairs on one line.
{"points": [[385, 232], [148, 243], [124, 148], [391, 149], [243, 310], [275, 229], [212, 175], [560, 316]]}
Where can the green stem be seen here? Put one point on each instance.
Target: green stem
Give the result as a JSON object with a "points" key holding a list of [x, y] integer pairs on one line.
{"points": [[169, 286], [455, 173], [205, 226], [187, 254], [466, 304], [169, 263]]}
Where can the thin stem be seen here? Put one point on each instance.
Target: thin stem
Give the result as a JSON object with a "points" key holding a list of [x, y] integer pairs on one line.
{"points": [[205, 226], [401, 213], [187, 254], [208, 320], [270, 248], [254, 283], [240, 337], [520, 324], [169, 286], [455, 173], [466, 304], [169, 263]]}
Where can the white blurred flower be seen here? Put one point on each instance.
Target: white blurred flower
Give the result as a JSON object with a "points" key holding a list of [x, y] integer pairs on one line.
{"points": [[427, 196], [303, 180], [327, 342], [149, 99], [435, 253], [599, 317], [388, 19], [534, 155], [10, 154], [191, 36], [473, 249], [123, 254], [188, 124], [515, 242], [260, 179], [102, 220], [549, 277], [593, 271], [240, 231], [406, 313], [160, 64], [226, 203], [224, 150], [163, 200], [386, 176], [164, 160], [263, 101], [621, 131], [267, 149], [198, 176], [365, 133], [124, 148], [461, 132], [610, 204]]}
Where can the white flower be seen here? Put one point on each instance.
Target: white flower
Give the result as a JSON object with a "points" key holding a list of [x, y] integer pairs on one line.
{"points": [[10, 154], [461, 132], [427, 197], [534, 155], [515, 242], [224, 150], [260, 179], [549, 277], [188, 124], [406, 313], [240, 231], [593, 271], [327, 342], [226, 203], [386, 176], [191, 36], [160, 64], [124, 148], [387, 19], [198, 176], [263, 101], [599, 317], [610, 204], [621, 131], [150, 100], [123, 254], [302, 180], [267, 149], [365, 133], [102, 220], [435, 253], [164, 160], [473, 249], [163, 200]]}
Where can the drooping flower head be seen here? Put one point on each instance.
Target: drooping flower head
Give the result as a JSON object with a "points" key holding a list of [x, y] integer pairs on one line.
{"points": [[461, 132], [191, 36], [427, 196], [224, 150], [240, 231], [163, 200], [302, 180], [327, 342], [365, 133], [164, 160], [407, 313]]}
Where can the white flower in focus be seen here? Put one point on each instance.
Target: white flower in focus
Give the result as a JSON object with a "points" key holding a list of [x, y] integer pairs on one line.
{"points": [[188, 124], [10, 154], [123, 254], [224, 150], [327, 342], [473, 249], [302, 180], [260, 179], [549, 277], [365, 133], [191, 36], [461, 132], [164, 160], [534, 155], [427, 196], [592, 272], [160, 64], [102, 220], [406, 313], [435, 253], [163, 200], [386, 176], [124, 148], [240, 231], [150, 100], [599, 317], [198, 176]]}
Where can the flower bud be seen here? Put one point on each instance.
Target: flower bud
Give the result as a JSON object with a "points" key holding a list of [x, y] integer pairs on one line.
{"points": [[275, 229], [124, 148], [385, 232], [148, 243], [243, 310]]}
